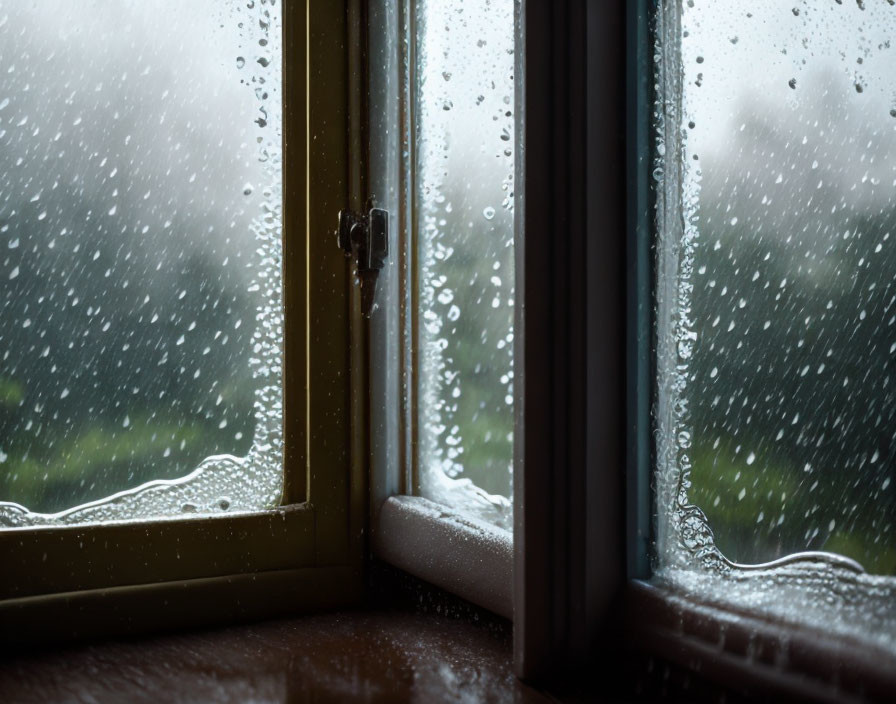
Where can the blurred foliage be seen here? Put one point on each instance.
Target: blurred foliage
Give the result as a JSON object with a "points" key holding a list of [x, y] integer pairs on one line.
{"points": [[792, 385], [127, 249]]}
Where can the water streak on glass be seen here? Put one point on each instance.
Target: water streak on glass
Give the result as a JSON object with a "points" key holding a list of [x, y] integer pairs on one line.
{"points": [[465, 141], [140, 371], [776, 306]]}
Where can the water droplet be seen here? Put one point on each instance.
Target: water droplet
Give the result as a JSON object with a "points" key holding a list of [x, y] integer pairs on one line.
{"points": [[488, 213]]}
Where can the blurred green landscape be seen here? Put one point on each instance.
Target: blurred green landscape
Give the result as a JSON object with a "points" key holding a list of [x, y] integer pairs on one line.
{"points": [[465, 132], [127, 251], [790, 389]]}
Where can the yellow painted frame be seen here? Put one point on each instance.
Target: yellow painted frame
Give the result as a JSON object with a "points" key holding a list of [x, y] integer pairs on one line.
{"points": [[62, 583]]}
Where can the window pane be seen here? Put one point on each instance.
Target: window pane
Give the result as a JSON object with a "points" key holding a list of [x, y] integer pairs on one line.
{"points": [[776, 302], [465, 133], [139, 259]]}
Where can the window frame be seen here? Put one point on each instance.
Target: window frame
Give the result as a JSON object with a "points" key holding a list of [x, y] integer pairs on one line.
{"points": [[582, 500], [569, 568], [68, 582], [756, 654], [585, 553], [419, 536]]}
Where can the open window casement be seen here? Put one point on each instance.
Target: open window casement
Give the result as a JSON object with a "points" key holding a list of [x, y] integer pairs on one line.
{"points": [[443, 134], [179, 447], [335, 365]]}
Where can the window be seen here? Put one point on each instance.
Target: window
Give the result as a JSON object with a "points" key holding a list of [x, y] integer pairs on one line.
{"points": [[288, 537], [296, 543], [775, 170], [367, 424], [442, 323], [463, 96], [142, 308], [586, 551]]}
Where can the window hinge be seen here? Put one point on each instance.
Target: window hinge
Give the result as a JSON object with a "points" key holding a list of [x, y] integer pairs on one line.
{"points": [[367, 237]]}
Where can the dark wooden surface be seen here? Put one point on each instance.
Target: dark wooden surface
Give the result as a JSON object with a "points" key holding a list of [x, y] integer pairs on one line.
{"points": [[372, 655]]}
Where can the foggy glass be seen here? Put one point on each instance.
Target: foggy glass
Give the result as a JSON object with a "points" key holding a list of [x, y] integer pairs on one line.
{"points": [[464, 134], [777, 305], [139, 258]]}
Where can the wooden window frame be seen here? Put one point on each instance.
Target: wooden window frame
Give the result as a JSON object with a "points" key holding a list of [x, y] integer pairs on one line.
{"points": [[61, 583], [582, 503], [581, 563], [426, 539]]}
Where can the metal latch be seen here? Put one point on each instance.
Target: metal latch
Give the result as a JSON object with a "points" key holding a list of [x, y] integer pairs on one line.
{"points": [[367, 237]]}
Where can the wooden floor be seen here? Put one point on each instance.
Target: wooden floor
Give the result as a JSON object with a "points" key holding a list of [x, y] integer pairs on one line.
{"points": [[379, 655]]}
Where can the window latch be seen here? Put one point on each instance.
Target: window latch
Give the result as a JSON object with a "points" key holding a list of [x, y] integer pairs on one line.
{"points": [[367, 237]]}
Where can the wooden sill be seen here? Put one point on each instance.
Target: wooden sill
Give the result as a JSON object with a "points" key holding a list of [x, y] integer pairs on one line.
{"points": [[372, 655], [410, 642]]}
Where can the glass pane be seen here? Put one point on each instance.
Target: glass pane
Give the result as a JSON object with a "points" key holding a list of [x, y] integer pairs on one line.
{"points": [[139, 259], [775, 302], [463, 85]]}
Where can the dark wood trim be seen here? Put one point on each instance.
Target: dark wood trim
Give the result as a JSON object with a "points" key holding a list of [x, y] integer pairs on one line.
{"points": [[359, 336], [602, 550], [153, 608], [74, 558], [295, 280], [329, 280], [570, 454]]}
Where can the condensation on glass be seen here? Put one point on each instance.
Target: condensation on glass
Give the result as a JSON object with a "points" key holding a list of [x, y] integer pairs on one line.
{"points": [[140, 301], [776, 307], [463, 163]]}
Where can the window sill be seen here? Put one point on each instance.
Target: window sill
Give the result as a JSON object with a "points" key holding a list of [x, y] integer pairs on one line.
{"points": [[77, 582], [92, 556], [378, 654], [746, 652], [469, 558]]}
